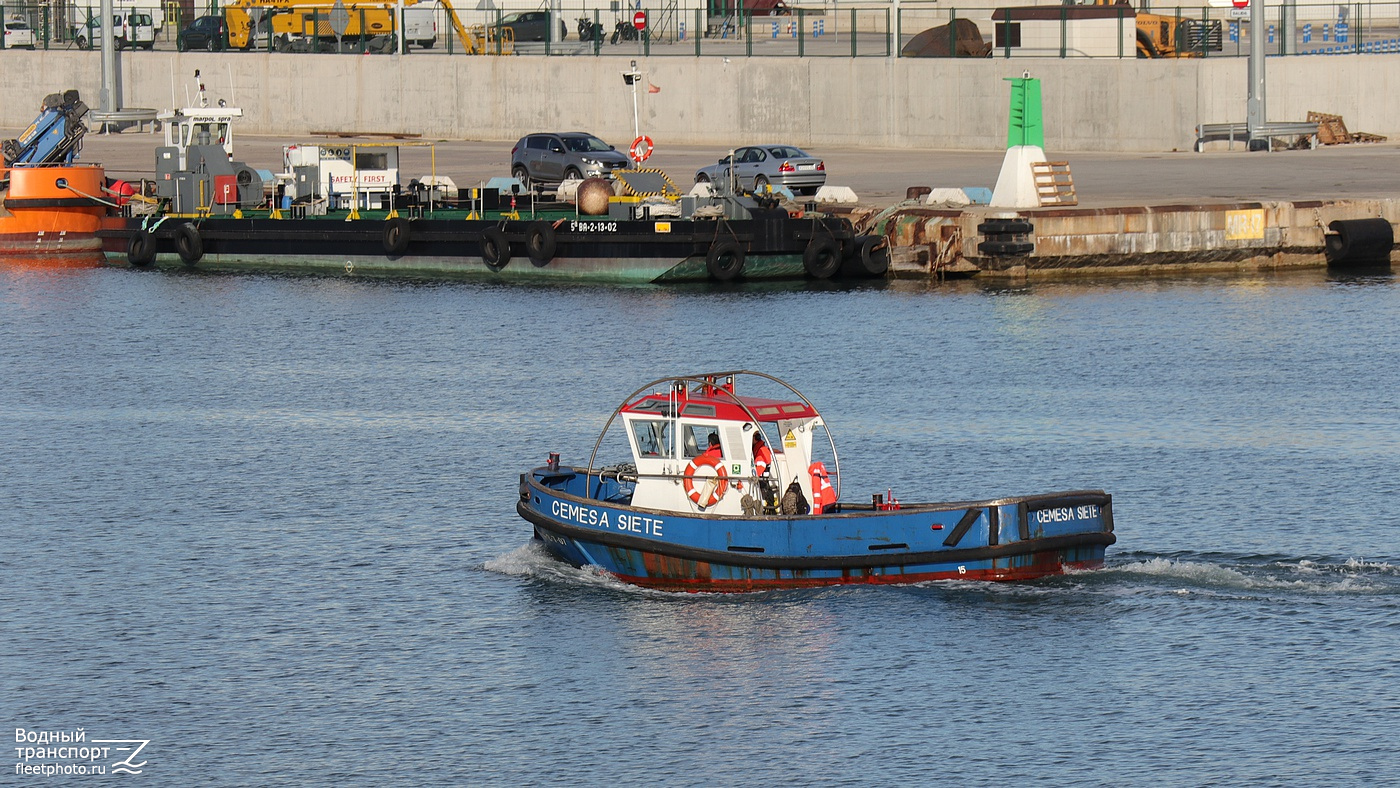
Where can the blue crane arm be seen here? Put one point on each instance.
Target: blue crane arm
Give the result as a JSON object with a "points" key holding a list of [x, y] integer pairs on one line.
{"points": [[55, 137]]}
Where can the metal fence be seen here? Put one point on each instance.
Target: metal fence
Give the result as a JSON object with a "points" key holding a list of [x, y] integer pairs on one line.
{"points": [[911, 28]]}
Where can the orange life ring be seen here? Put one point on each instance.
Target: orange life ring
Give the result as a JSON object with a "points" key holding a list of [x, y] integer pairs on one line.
{"points": [[641, 149], [721, 486]]}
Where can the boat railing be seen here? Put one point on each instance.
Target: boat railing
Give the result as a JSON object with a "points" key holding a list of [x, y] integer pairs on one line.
{"points": [[711, 379]]}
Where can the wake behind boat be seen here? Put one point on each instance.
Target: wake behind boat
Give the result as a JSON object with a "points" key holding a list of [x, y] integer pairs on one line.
{"points": [[729, 492]]}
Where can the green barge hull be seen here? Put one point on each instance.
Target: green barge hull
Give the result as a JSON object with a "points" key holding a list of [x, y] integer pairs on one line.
{"points": [[546, 246]]}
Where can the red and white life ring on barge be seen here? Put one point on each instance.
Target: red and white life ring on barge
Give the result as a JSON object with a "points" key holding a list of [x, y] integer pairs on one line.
{"points": [[641, 149], [717, 484]]}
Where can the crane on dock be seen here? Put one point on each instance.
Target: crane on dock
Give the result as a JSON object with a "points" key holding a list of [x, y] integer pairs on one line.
{"points": [[302, 20]]}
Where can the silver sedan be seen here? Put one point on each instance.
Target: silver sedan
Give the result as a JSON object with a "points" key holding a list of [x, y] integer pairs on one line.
{"points": [[756, 166]]}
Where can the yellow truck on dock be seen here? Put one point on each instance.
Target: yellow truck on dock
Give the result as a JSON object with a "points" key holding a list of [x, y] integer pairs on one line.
{"points": [[317, 25]]}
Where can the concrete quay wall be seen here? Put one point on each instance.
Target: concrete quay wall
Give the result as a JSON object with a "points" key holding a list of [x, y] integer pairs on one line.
{"points": [[1124, 105], [1158, 240]]}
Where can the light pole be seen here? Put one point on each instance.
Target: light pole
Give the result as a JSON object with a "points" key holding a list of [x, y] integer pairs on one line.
{"points": [[630, 77], [1254, 108]]}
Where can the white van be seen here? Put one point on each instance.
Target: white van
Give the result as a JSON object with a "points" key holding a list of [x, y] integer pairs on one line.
{"points": [[420, 27], [130, 29]]}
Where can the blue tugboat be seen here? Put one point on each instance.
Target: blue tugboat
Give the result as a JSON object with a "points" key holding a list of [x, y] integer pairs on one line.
{"points": [[730, 492]]}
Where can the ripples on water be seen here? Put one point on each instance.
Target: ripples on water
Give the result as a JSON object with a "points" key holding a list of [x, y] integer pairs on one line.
{"points": [[269, 523]]}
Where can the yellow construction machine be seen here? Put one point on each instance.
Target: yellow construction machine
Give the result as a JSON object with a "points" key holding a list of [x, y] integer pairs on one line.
{"points": [[295, 24], [1159, 35]]}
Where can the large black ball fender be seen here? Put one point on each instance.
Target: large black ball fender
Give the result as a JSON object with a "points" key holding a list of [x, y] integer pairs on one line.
{"points": [[188, 243], [725, 260]]}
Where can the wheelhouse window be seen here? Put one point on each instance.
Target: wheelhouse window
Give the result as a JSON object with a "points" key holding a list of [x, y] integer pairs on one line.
{"points": [[653, 439], [697, 438]]}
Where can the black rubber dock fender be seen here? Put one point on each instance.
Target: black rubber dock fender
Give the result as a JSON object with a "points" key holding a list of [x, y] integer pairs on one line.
{"points": [[495, 248], [1005, 248], [141, 249], [397, 235], [541, 242], [1005, 238], [869, 255], [725, 260], [1359, 242], [822, 258], [188, 243], [1005, 227]]}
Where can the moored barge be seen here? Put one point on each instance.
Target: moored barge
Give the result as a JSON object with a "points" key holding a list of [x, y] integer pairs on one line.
{"points": [[340, 209]]}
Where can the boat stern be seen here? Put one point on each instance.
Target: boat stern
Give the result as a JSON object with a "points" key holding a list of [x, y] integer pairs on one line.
{"points": [[1070, 530]]}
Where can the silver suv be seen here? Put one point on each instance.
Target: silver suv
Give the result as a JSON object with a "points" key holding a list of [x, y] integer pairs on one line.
{"points": [[552, 158]]}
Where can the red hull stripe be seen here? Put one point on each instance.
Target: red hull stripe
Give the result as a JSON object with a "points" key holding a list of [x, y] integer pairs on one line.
{"points": [[696, 585]]}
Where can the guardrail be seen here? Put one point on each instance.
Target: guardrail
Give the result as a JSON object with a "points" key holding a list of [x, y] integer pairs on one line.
{"points": [[829, 28], [1239, 132]]}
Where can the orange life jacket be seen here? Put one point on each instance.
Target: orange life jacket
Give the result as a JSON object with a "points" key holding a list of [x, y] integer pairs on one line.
{"points": [[823, 494], [762, 458]]}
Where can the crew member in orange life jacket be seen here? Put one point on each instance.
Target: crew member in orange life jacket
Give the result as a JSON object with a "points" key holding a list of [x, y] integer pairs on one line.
{"points": [[762, 455], [762, 460], [823, 494], [714, 452]]}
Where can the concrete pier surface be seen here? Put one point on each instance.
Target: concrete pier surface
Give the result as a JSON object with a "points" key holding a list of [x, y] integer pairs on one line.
{"points": [[1137, 214], [880, 177]]}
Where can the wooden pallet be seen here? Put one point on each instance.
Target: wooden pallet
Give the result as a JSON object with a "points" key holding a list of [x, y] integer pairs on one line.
{"points": [[1053, 183], [1330, 128]]}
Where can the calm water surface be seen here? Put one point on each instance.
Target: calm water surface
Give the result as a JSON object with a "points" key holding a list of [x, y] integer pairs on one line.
{"points": [[268, 524]]}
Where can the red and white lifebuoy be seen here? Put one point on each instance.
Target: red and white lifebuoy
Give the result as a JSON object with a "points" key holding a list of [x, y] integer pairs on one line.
{"points": [[641, 149], [717, 484]]}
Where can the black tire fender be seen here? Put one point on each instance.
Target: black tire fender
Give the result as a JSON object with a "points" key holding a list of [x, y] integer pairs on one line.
{"points": [[1006, 227], [141, 249], [822, 258], [397, 234], [495, 248], [725, 260], [541, 242], [872, 254], [1005, 248], [188, 243]]}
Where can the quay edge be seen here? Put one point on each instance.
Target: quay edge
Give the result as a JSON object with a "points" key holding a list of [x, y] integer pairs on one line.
{"points": [[928, 241]]}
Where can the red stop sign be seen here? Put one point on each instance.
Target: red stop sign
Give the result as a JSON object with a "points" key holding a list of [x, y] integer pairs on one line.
{"points": [[1240, 3], [639, 19]]}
